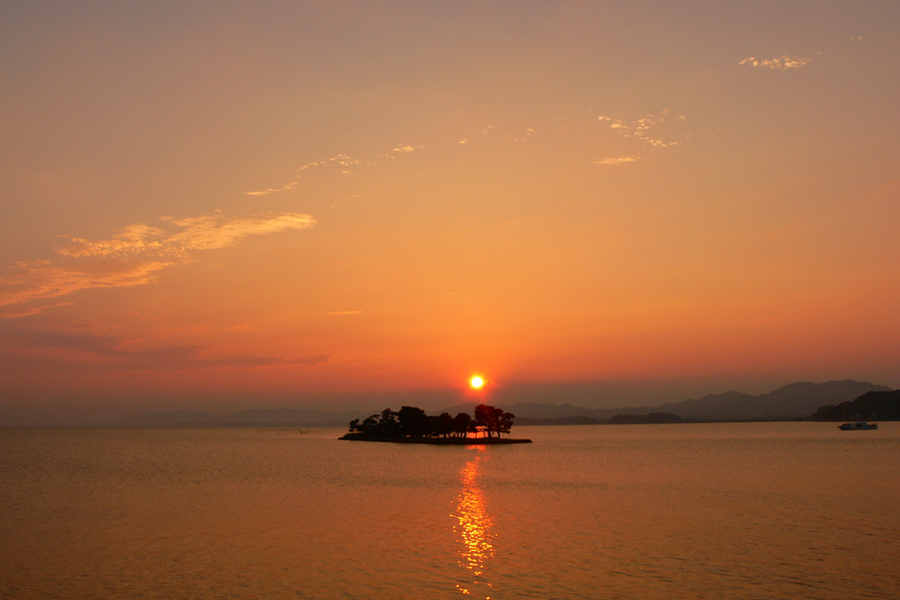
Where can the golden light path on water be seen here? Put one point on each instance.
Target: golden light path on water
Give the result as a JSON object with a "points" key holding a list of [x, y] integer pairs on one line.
{"points": [[474, 529]]}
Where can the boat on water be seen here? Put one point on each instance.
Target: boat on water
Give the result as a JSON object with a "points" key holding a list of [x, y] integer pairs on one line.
{"points": [[858, 425]]}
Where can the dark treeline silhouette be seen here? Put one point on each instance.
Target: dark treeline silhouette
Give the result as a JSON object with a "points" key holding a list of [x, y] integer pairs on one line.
{"points": [[412, 423]]}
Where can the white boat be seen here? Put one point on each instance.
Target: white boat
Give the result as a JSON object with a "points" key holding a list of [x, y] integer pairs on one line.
{"points": [[858, 425]]}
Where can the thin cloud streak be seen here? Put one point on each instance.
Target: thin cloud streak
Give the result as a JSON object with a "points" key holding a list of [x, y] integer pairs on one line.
{"points": [[342, 160], [134, 256], [40, 279], [105, 353], [212, 231], [616, 160], [782, 63], [283, 188], [28, 312], [196, 233]]}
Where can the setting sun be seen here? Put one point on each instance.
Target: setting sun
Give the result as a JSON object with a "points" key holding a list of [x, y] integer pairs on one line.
{"points": [[476, 382]]}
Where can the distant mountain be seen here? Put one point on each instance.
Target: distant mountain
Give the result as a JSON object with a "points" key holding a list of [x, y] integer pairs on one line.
{"points": [[793, 401], [873, 406]]}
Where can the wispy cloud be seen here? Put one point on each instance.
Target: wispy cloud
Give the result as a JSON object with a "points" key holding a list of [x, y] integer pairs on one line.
{"points": [[27, 312], [41, 280], [782, 63], [344, 163], [104, 353], [616, 160], [213, 231], [528, 133], [284, 188], [341, 160], [342, 313], [309, 360], [133, 256], [205, 232], [654, 130]]}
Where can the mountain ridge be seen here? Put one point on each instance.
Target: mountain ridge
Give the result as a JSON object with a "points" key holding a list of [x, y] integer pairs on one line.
{"points": [[797, 400]]}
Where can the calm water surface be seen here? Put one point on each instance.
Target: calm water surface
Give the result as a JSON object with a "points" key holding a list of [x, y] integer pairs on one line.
{"points": [[776, 510]]}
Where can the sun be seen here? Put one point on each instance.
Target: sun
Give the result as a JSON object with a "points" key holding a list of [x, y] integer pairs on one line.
{"points": [[476, 382]]}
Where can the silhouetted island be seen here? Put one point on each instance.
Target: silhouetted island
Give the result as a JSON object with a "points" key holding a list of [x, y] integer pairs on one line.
{"points": [[873, 406], [410, 425]]}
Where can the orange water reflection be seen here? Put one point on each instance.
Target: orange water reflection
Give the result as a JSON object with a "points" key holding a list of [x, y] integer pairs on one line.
{"points": [[474, 529]]}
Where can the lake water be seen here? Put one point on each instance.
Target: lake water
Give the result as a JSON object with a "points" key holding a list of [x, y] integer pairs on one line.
{"points": [[758, 510]]}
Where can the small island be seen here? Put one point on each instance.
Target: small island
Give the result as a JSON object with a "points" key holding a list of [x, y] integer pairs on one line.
{"points": [[410, 425]]}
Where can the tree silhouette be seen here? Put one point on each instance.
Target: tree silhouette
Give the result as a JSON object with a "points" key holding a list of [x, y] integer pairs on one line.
{"points": [[493, 420], [463, 425], [411, 422], [441, 425]]}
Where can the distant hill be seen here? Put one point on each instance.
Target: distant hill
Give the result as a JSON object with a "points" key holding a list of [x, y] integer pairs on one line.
{"points": [[793, 401], [873, 406]]}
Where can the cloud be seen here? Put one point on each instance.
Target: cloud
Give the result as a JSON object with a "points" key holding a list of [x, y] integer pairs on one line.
{"points": [[283, 188], [345, 160], [528, 133], [28, 312], [205, 232], [134, 256], [214, 231], [103, 353], [342, 160], [310, 360], [654, 130], [616, 160], [341, 313], [40, 279], [132, 240], [782, 63]]}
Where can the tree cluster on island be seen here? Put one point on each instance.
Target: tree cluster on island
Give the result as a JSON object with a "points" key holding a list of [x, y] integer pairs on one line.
{"points": [[411, 422]]}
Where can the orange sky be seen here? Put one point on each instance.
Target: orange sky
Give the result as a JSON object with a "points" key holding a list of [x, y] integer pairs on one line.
{"points": [[223, 206]]}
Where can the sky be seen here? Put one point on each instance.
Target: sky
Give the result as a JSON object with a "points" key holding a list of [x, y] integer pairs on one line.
{"points": [[225, 205]]}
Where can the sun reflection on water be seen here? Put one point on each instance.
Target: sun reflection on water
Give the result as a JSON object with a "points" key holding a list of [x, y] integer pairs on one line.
{"points": [[474, 530]]}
